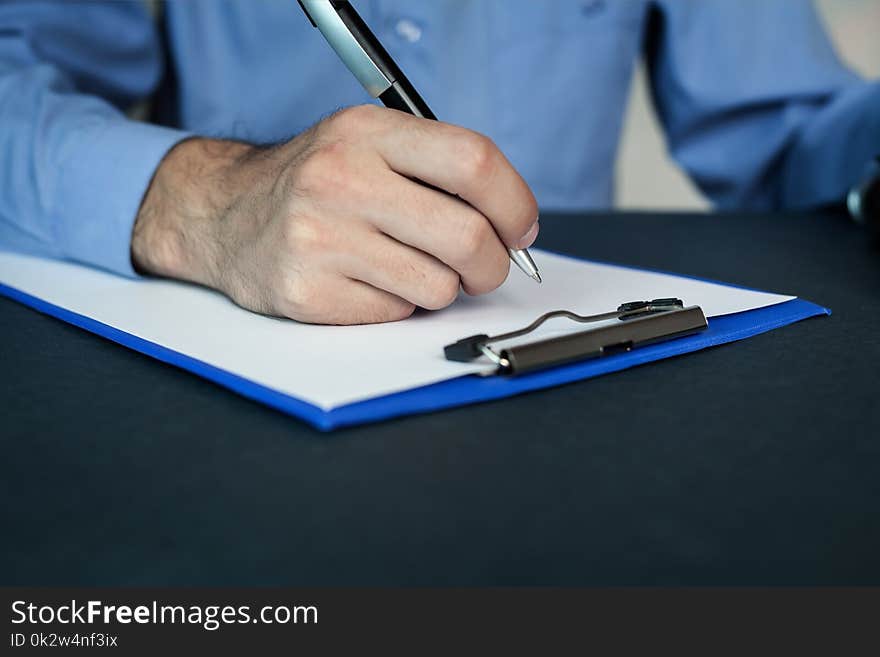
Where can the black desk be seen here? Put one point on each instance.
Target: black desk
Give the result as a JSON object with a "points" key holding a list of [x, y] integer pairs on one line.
{"points": [[752, 463]]}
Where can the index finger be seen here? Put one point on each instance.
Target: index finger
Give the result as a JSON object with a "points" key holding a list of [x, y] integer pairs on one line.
{"points": [[464, 163]]}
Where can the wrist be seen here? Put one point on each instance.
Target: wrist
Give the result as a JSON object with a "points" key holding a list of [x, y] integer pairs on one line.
{"points": [[175, 233]]}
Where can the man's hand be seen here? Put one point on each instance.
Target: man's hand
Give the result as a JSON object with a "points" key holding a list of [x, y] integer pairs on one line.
{"points": [[331, 227]]}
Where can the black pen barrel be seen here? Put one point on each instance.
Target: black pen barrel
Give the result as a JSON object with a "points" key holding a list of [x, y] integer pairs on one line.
{"points": [[401, 96]]}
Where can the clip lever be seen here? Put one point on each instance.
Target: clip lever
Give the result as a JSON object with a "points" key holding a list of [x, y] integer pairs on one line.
{"points": [[639, 308], [466, 349]]}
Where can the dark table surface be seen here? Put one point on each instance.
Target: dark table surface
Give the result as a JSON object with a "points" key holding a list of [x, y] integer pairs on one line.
{"points": [[752, 463]]}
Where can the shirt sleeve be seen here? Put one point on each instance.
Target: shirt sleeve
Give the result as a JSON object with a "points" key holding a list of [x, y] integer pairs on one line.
{"points": [[756, 105], [73, 168]]}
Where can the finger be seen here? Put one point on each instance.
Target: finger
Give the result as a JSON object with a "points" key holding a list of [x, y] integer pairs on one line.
{"points": [[403, 271], [464, 163], [443, 226], [342, 301], [360, 303]]}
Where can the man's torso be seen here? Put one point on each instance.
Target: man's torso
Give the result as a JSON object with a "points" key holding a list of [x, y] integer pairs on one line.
{"points": [[548, 81]]}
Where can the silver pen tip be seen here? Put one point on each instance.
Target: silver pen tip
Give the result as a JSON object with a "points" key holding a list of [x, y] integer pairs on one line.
{"points": [[524, 261]]}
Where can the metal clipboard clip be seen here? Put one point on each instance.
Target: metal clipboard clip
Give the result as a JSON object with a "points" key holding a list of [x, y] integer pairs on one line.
{"points": [[641, 323]]}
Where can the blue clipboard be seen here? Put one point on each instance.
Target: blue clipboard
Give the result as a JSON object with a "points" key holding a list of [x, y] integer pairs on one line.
{"points": [[452, 393]]}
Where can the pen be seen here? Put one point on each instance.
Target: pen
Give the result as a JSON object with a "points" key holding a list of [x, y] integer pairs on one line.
{"points": [[371, 64]]}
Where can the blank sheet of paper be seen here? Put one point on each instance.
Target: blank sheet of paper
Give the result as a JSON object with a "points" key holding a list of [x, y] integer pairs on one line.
{"points": [[330, 366]]}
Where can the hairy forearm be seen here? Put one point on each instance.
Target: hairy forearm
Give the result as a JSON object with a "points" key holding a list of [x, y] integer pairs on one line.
{"points": [[175, 233]]}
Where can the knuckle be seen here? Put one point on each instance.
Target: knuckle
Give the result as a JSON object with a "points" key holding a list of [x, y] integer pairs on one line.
{"points": [[306, 235], [442, 290], [353, 120], [478, 157], [473, 237]]}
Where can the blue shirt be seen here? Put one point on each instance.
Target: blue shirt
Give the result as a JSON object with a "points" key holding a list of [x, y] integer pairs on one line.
{"points": [[755, 104]]}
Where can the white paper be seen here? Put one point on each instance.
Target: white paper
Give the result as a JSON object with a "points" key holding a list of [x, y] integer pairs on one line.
{"points": [[330, 366]]}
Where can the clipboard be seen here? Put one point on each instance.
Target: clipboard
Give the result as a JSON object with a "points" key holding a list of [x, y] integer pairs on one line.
{"points": [[169, 321]]}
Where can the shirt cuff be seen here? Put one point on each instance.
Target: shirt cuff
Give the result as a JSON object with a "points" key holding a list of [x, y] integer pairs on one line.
{"points": [[101, 187]]}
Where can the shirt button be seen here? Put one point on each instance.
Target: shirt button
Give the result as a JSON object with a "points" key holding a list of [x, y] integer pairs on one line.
{"points": [[408, 30]]}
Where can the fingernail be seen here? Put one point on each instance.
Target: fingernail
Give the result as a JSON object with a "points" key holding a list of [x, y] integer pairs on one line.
{"points": [[529, 237]]}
